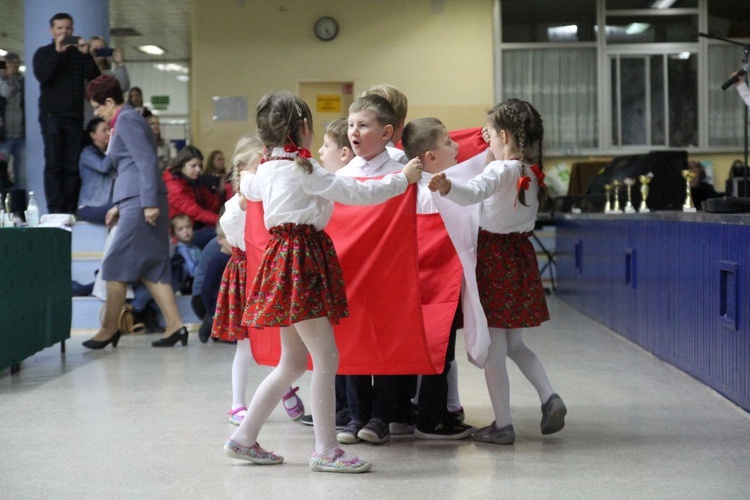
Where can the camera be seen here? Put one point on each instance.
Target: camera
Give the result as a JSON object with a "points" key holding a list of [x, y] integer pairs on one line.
{"points": [[104, 52], [71, 40], [2, 64]]}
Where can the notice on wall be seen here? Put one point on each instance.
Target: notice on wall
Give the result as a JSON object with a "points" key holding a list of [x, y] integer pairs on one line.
{"points": [[230, 109], [160, 102], [328, 103]]}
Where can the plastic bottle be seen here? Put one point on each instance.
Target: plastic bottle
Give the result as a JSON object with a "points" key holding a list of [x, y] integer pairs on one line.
{"points": [[32, 211]]}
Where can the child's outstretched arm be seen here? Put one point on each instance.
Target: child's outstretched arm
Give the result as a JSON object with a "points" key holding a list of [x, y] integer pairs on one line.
{"points": [[440, 182], [413, 170]]}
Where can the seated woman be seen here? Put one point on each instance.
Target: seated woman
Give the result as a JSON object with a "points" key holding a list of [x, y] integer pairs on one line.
{"points": [[135, 99], [215, 176], [186, 196], [97, 174], [162, 147], [700, 188]]}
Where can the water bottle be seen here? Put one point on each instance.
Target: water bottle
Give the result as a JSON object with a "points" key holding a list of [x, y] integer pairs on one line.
{"points": [[32, 211]]}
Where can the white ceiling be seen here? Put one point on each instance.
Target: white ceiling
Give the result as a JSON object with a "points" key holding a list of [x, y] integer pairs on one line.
{"points": [[160, 22]]}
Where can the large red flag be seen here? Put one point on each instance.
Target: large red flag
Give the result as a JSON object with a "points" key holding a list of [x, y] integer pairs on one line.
{"points": [[402, 296]]}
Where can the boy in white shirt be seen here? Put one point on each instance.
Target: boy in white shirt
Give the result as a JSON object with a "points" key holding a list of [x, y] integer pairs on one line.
{"points": [[371, 123]]}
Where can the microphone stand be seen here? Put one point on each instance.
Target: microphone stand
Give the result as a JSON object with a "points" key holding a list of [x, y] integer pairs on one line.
{"points": [[746, 51]]}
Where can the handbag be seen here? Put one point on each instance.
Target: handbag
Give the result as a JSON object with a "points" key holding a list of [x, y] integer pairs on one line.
{"points": [[126, 324]]}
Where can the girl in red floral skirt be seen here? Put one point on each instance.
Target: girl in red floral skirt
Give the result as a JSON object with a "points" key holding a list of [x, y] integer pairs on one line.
{"points": [[510, 287], [299, 285], [230, 303]]}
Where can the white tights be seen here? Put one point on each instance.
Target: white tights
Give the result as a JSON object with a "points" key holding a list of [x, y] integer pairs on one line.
{"points": [[240, 368], [509, 343], [316, 337]]}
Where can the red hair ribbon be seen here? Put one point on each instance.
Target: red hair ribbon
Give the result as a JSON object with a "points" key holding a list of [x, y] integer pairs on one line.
{"points": [[291, 148], [525, 181]]}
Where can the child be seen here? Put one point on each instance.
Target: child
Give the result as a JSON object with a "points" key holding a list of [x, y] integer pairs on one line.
{"points": [[400, 105], [510, 288], [336, 151], [231, 299], [181, 227], [299, 285], [428, 140], [372, 121]]}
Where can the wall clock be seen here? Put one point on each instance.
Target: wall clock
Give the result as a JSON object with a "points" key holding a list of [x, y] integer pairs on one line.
{"points": [[326, 28]]}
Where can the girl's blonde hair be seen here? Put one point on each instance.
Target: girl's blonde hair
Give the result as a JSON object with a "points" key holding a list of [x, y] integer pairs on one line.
{"points": [[524, 123], [247, 148], [280, 117]]}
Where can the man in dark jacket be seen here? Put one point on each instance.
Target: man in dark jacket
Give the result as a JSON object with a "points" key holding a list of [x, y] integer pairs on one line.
{"points": [[61, 68]]}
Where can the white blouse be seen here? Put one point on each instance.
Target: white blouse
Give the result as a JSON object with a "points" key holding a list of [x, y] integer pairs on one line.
{"points": [[291, 195], [744, 91], [380, 165], [233, 222], [496, 189]]}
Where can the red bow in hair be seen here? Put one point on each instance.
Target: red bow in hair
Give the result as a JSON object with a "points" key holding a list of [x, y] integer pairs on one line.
{"points": [[291, 148], [525, 181]]}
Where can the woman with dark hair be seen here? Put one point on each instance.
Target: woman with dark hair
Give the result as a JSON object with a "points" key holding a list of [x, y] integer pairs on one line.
{"points": [[135, 99], [97, 174], [186, 195], [140, 246], [215, 176]]}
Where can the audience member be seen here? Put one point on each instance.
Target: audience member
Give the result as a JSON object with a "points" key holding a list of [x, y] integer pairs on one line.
{"points": [[187, 253], [62, 67], [104, 57], [187, 196], [215, 176], [12, 136], [97, 174], [700, 188], [135, 99], [163, 153], [207, 281]]}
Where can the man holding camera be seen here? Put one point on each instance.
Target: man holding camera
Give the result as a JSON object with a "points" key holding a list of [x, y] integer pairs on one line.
{"points": [[61, 68], [12, 135]]}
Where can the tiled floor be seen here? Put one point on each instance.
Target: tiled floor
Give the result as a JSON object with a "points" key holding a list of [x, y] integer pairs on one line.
{"points": [[138, 422]]}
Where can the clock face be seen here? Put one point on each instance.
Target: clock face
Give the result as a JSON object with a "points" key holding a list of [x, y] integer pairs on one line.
{"points": [[326, 28]]}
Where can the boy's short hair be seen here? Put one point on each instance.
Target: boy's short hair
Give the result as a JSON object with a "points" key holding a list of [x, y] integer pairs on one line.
{"points": [[377, 105], [178, 218], [394, 96], [421, 135], [337, 131]]}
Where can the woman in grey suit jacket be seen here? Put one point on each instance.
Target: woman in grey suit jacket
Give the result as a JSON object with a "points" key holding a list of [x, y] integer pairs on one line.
{"points": [[140, 246]]}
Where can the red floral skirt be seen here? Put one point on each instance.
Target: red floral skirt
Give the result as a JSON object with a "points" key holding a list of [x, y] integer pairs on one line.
{"points": [[299, 278], [510, 287], [230, 302]]}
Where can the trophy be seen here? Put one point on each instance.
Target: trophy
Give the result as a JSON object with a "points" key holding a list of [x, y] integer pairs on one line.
{"points": [[644, 180], [616, 188], [688, 205], [629, 209], [607, 204]]}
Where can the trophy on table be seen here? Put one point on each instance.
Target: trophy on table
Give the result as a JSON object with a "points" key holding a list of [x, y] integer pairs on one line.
{"points": [[644, 180], [616, 205], [688, 206], [629, 182], [607, 204]]}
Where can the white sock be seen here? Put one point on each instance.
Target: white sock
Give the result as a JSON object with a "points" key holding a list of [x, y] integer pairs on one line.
{"points": [[496, 376], [292, 365], [529, 364], [243, 356], [454, 403]]}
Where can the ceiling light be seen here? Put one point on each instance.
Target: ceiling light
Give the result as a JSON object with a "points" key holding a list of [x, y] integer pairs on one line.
{"points": [[153, 50], [662, 4], [3, 52], [636, 28]]}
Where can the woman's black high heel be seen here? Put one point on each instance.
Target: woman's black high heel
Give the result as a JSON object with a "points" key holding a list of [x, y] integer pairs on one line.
{"points": [[180, 335], [101, 344]]}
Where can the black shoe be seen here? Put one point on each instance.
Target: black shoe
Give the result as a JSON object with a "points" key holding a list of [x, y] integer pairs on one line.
{"points": [[101, 344], [375, 431], [306, 420], [446, 431], [204, 332], [553, 415], [180, 335], [343, 417], [349, 434]]}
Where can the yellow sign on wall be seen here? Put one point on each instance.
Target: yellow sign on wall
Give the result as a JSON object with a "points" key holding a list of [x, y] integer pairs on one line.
{"points": [[328, 103]]}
